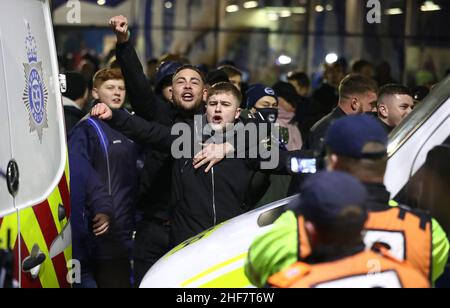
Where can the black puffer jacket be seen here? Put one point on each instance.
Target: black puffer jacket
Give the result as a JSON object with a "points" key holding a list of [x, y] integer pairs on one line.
{"points": [[199, 200], [155, 178]]}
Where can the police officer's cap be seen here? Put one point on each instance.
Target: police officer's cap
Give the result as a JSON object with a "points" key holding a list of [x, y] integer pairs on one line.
{"points": [[348, 136], [326, 196]]}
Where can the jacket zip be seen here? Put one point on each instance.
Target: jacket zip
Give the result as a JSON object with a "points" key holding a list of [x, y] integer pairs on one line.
{"points": [[103, 143], [213, 197]]}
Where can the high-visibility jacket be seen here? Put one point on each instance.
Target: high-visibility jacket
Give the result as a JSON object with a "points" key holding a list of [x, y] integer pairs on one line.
{"points": [[366, 269], [406, 233], [284, 244]]}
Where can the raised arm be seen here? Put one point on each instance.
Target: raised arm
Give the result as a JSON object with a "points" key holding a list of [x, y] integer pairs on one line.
{"points": [[141, 97]]}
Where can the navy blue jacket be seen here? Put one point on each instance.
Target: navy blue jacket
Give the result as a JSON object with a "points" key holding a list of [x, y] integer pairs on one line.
{"points": [[114, 158], [88, 197]]}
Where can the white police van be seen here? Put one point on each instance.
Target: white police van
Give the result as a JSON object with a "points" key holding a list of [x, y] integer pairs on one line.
{"points": [[34, 175]]}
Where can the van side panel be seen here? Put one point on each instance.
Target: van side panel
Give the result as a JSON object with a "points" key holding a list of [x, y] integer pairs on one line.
{"points": [[44, 224]]}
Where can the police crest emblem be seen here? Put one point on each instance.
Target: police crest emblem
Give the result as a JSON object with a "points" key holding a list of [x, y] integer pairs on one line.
{"points": [[35, 95]]}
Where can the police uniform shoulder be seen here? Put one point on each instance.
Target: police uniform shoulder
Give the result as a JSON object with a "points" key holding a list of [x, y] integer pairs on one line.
{"points": [[289, 276], [418, 212], [424, 216], [404, 207]]}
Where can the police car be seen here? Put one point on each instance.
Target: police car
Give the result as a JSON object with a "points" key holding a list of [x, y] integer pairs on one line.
{"points": [[418, 174]]}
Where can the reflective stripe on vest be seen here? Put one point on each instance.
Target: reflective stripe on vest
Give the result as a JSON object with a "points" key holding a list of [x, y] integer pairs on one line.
{"points": [[364, 270], [304, 247], [406, 234], [398, 224]]}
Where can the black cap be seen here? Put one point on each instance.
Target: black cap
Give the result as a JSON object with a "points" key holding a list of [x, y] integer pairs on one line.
{"points": [[287, 92], [165, 73], [76, 86], [326, 196], [216, 76]]}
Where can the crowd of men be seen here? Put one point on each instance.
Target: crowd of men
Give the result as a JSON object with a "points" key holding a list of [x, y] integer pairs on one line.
{"points": [[134, 198]]}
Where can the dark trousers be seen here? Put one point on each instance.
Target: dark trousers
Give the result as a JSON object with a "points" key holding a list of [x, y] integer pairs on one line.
{"points": [[151, 244], [113, 274], [87, 277]]}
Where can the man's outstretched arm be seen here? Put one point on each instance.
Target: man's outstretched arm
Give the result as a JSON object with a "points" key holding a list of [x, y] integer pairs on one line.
{"points": [[139, 92]]}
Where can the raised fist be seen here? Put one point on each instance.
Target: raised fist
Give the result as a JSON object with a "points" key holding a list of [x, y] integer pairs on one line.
{"points": [[120, 27], [101, 111]]}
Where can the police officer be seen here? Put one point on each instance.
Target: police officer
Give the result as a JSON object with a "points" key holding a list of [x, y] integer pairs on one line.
{"points": [[333, 207], [358, 145]]}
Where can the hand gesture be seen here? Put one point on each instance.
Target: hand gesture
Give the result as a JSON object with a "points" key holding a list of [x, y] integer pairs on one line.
{"points": [[101, 224], [102, 111], [120, 27]]}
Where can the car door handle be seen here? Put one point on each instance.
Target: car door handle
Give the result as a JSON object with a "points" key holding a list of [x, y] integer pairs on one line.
{"points": [[33, 263], [12, 177]]}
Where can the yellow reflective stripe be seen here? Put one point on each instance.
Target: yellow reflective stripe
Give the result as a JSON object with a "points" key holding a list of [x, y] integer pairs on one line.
{"points": [[68, 251], [393, 203], [67, 172], [233, 279], [54, 201], [32, 234], [214, 269], [68, 254], [193, 240], [9, 223]]}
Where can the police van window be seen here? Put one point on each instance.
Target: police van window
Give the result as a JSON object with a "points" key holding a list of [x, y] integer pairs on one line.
{"points": [[429, 188], [268, 218]]}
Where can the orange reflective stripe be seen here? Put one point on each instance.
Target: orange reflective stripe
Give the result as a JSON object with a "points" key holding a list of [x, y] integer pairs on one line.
{"points": [[304, 247], [359, 265], [287, 277], [417, 232], [418, 236]]}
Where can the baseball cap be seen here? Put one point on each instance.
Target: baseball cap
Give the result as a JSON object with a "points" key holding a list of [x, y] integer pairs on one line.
{"points": [[325, 197], [349, 135]]}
